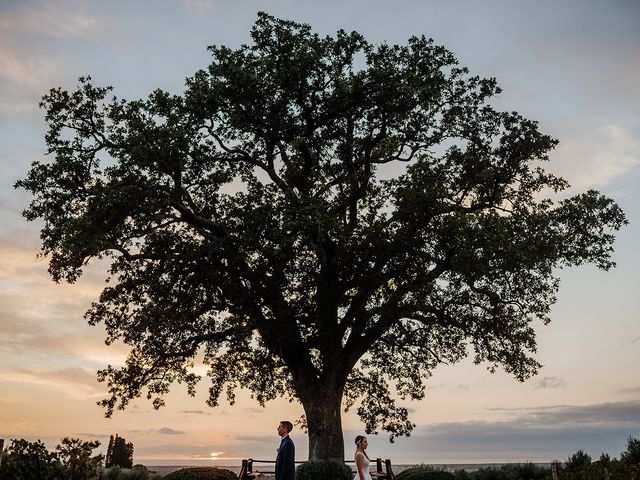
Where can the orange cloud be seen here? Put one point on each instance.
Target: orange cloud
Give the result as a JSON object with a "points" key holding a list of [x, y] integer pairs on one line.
{"points": [[52, 20], [76, 382]]}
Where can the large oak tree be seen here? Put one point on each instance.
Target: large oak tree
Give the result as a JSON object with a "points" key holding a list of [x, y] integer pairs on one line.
{"points": [[316, 217]]}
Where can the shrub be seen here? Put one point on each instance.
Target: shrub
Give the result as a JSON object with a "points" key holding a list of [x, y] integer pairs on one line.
{"points": [[425, 472], [76, 460], [631, 456], [462, 475], [113, 473], [201, 473], [331, 469], [519, 471], [137, 472]]}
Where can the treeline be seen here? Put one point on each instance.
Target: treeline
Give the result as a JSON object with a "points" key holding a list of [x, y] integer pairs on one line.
{"points": [[72, 459], [579, 466]]}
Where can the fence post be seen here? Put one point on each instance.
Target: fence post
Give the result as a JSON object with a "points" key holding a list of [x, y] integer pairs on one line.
{"points": [[554, 470], [606, 474], [243, 470], [1, 449], [390, 474], [379, 465]]}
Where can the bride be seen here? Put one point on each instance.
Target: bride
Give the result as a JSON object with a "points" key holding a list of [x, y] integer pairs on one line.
{"points": [[362, 459]]}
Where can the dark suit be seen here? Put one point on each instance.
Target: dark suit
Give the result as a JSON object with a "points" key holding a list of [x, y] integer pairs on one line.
{"points": [[286, 460]]}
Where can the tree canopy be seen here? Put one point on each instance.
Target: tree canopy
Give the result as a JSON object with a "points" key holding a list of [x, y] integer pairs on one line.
{"points": [[119, 453], [319, 217], [72, 460]]}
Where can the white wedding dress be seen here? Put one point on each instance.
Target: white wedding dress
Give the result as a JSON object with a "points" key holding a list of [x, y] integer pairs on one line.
{"points": [[365, 466]]}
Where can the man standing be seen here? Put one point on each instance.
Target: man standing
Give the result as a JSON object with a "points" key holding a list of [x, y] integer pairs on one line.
{"points": [[286, 459]]}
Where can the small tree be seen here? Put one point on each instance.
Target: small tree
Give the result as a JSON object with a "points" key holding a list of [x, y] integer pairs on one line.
{"points": [[75, 457], [26, 460], [577, 465], [119, 453], [630, 458], [108, 458]]}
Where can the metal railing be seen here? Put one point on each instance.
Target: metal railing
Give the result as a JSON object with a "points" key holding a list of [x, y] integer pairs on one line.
{"points": [[383, 470]]}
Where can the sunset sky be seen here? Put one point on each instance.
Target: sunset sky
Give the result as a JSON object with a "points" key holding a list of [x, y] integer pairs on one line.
{"points": [[572, 65]]}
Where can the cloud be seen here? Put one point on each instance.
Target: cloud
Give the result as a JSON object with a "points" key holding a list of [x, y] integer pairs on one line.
{"points": [[550, 382], [29, 67], [39, 318], [161, 431], [630, 390], [195, 412], [261, 439], [76, 382], [597, 155], [169, 431], [253, 411], [199, 6], [24, 75], [552, 432], [174, 451], [92, 435], [618, 413], [51, 20]]}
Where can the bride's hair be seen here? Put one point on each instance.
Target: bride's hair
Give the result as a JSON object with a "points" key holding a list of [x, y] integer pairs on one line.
{"points": [[359, 440]]}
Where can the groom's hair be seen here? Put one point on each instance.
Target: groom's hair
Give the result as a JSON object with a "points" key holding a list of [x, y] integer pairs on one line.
{"points": [[287, 424]]}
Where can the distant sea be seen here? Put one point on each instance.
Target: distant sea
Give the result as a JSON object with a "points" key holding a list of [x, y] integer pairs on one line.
{"points": [[469, 467]]}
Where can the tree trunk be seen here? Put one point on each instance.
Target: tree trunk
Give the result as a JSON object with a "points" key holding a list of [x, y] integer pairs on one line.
{"points": [[324, 422]]}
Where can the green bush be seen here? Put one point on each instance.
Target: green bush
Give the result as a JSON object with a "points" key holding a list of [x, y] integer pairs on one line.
{"points": [[463, 475], [113, 473], [331, 469], [425, 472], [137, 472], [519, 471], [201, 473]]}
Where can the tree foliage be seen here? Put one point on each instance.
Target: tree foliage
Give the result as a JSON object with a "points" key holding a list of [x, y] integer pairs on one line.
{"points": [[26, 460], [577, 462], [425, 472], [71, 460], [76, 459], [321, 217], [202, 473], [119, 453], [320, 469]]}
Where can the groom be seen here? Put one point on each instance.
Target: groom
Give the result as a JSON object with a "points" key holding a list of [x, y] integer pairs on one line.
{"points": [[286, 459]]}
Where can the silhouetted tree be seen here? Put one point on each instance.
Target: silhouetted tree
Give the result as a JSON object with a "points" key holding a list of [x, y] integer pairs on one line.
{"points": [[26, 460], [324, 218], [119, 453], [109, 455], [630, 458], [75, 457], [577, 465]]}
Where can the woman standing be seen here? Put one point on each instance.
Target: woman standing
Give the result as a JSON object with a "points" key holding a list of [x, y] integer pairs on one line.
{"points": [[362, 459]]}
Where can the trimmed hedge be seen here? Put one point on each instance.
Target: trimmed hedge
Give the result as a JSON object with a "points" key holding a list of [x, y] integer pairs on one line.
{"points": [[201, 473], [331, 469], [425, 472]]}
